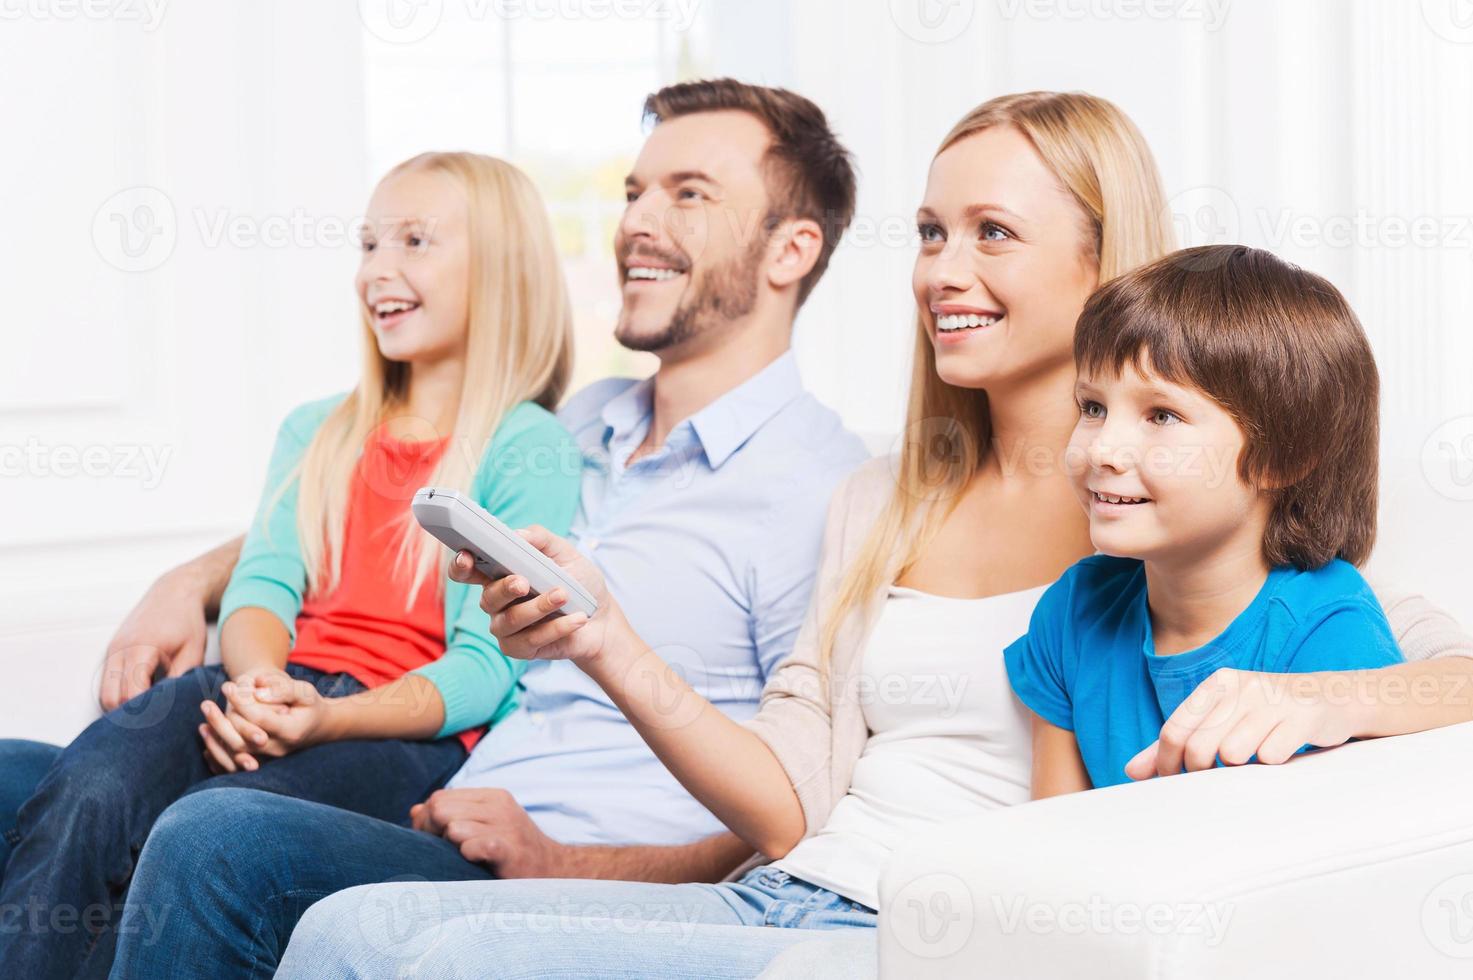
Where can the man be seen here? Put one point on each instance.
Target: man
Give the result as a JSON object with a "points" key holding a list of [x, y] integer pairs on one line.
{"points": [[703, 496]]}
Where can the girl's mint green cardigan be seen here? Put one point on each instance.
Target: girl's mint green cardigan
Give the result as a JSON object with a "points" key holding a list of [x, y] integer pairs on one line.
{"points": [[530, 474]]}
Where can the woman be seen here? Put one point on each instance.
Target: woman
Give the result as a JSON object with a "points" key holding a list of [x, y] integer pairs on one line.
{"points": [[893, 713]]}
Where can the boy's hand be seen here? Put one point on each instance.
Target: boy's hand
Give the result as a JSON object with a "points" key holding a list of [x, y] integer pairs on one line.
{"points": [[1236, 714]]}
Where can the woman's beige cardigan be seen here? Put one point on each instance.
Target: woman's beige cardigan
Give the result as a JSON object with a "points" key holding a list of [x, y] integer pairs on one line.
{"points": [[817, 731]]}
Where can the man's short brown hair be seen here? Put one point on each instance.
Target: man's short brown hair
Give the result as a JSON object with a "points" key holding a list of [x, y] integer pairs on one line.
{"points": [[809, 172], [1282, 352]]}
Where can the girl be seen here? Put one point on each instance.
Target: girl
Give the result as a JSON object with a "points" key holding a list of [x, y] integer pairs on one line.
{"points": [[350, 675], [893, 713]]}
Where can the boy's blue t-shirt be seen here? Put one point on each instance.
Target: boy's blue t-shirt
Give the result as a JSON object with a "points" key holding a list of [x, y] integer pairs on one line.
{"points": [[1088, 662]]}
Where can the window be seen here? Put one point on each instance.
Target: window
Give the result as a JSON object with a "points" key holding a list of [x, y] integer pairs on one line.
{"points": [[554, 86]]}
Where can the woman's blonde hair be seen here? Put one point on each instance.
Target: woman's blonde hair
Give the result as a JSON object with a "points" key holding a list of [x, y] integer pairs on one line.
{"points": [[518, 348], [1100, 157]]}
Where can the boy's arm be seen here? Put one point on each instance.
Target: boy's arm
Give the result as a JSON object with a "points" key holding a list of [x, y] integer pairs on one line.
{"points": [[1342, 682], [1058, 767]]}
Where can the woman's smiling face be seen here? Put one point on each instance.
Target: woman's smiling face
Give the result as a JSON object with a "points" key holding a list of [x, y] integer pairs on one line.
{"points": [[1005, 264]]}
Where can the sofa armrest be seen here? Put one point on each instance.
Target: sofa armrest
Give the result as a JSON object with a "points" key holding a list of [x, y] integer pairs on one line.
{"points": [[1353, 862]]}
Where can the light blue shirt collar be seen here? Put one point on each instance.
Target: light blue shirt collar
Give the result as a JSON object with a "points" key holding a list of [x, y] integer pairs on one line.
{"points": [[721, 427]]}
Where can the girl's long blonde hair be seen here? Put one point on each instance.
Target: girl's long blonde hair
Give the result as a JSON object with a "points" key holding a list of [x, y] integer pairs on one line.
{"points": [[1100, 157], [518, 348]]}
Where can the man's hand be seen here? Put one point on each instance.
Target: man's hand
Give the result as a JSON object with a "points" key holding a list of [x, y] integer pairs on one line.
{"points": [[491, 828], [1236, 714], [525, 628], [166, 629]]}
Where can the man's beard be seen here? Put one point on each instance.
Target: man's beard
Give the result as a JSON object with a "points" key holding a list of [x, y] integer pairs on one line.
{"points": [[722, 295]]}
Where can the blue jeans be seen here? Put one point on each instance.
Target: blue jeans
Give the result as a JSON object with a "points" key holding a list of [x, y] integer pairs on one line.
{"points": [[79, 833], [22, 767], [557, 928], [227, 873]]}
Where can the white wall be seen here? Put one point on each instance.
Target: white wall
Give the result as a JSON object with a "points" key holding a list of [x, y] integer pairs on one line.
{"points": [[137, 396], [1274, 123]]}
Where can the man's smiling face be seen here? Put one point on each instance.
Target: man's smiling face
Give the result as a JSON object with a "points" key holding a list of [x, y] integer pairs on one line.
{"points": [[692, 244]]}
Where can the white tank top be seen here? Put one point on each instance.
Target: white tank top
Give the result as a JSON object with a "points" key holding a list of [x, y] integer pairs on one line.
{"points": [[948, 740]]}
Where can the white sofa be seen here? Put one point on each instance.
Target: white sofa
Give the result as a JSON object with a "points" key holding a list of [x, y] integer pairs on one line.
{"points": [[1351, 863]]}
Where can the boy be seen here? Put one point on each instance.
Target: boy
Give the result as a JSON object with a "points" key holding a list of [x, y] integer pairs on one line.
{"points": [[1226, 452]]}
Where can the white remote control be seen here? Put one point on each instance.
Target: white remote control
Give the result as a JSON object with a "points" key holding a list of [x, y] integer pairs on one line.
{"points": [[461, 524]]}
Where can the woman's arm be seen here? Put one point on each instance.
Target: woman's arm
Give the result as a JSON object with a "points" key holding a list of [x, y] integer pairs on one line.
{"points": [[1057, 766], [725, 766], [1405, 698]]}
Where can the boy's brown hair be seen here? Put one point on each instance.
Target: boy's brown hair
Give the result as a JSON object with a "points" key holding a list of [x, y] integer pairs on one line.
{"points": [[1282, 352], [809, 172]]}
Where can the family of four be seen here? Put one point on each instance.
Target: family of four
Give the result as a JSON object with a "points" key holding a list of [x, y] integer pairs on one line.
{"points": [[1121, 537]]}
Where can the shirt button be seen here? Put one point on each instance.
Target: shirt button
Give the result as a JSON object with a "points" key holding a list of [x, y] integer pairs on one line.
{"points": [[591, 544]]}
